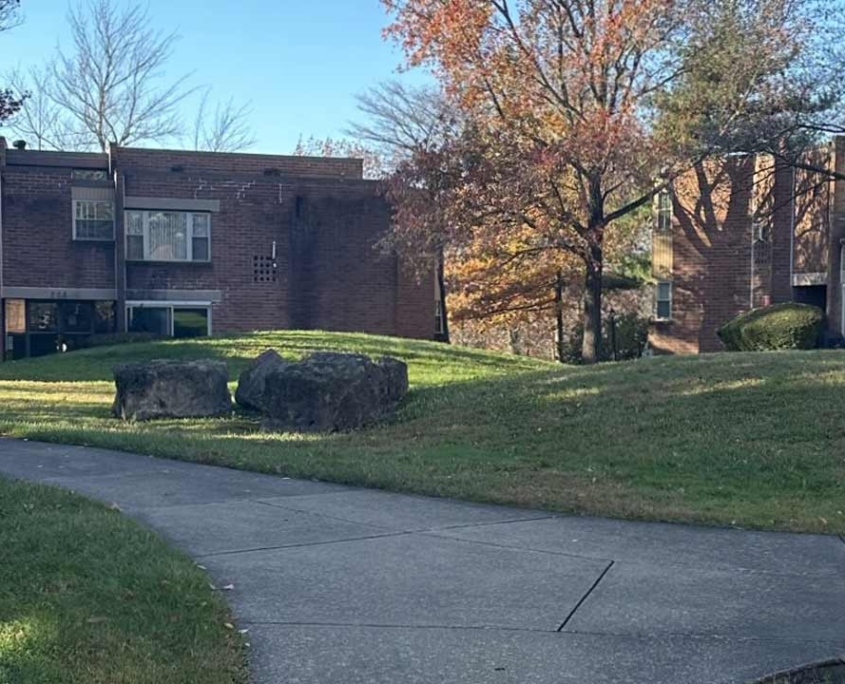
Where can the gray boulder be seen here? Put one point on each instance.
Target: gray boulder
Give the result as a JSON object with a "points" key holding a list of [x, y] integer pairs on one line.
{"points": [[171, 389], [333, 392], [250, 391]]}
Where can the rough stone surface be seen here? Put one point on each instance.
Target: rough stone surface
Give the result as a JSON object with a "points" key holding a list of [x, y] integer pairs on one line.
{"points": [[332, 392], [171, 389], [250, 392]]}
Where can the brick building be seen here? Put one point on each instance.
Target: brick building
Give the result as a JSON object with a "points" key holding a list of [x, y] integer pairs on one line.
{"points": [[189, 244], [744, 233]]}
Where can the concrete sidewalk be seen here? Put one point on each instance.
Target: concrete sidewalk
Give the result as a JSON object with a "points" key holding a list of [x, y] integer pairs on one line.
{"points": [[347, 585]]}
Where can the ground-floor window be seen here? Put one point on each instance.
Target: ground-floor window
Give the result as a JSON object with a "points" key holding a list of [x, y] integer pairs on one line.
{"points": [[169, 320], [40, 327]]}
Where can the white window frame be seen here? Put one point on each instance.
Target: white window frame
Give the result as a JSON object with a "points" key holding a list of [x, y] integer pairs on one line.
{"points": [[153, 304], [76, 203], [145, 220], [657, 300]]}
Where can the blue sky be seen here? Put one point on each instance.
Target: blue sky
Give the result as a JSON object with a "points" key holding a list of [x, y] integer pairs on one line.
{"points": [[299, 62]]}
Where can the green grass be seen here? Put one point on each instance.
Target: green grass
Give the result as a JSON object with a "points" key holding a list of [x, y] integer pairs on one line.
{"points": [[752, 440], [89, 597]]}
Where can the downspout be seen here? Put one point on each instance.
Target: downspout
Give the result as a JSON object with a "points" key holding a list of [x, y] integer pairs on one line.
{"points": [[792, 239]]}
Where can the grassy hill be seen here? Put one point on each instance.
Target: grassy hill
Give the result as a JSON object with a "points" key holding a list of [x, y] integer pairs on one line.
{"points": [[743, 439]]}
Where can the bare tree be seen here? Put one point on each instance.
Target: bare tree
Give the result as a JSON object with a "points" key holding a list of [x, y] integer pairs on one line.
{"points": [[38, 120], [10, 103], [401, 120], [223, 127], [109, 84], [9, 14]]}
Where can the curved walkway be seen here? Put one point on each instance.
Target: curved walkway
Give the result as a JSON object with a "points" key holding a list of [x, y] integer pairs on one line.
{"points": [[347, 585]]}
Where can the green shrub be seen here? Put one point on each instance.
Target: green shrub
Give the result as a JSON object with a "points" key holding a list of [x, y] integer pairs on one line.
{"points": [[109, 339], [780, 326]]}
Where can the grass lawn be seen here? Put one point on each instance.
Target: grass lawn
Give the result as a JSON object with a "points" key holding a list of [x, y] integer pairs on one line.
{"points": [[89, 597], [754, 440]]}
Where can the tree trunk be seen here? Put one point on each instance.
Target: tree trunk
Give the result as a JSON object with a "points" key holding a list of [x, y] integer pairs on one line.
{"points": [[559, 315], [591, 348], [444, 312]]}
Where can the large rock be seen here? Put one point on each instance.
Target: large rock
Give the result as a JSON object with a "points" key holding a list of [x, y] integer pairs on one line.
{"points": [[250, 392], [171, 389], [332, 392]]}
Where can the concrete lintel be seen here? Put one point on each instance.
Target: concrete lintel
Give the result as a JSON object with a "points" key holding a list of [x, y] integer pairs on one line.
{"points": [[213, 296], [808, 279], [171, 204], [58, 293]]}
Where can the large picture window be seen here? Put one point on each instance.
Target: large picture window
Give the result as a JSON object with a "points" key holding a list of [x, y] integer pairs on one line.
{"points": [[169, 320], [168, 236], [93, 220]]}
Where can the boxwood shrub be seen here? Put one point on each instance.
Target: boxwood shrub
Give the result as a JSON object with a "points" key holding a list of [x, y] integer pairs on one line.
{"points": [[780, 326]]}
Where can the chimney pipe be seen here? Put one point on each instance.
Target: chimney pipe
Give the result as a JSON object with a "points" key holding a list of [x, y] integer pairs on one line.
{"points": [[19, 144]]}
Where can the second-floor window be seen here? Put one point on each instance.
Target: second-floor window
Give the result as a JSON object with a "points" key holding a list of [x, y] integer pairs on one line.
{"points": [[168, 236], [664, 212], [93, 220]]}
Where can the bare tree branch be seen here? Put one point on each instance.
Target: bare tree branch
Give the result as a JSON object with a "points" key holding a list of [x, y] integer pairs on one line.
{"points": [[109, 84], [223, 128]]}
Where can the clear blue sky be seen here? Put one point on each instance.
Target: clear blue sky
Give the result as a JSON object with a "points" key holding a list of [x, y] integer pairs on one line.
{"points": [[300, 62]]}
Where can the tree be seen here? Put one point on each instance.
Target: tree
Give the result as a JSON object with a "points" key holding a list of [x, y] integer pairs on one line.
{"points": [[109, 86], [374, 164], [223, 127], [109, 83], [578, 112], [10, 102], [401, 119]]}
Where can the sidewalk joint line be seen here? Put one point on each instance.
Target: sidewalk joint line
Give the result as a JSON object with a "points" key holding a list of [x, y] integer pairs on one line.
{"points": [[303, 545], [585, 596]]}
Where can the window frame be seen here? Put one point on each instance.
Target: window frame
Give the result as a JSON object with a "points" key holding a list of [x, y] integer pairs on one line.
{"points": [[171, 307], [670, 299], [76, 237], [145, 235]]}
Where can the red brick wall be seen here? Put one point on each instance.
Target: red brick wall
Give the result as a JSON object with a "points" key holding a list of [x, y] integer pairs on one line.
{"points": [[712, 256], [330, 274], [38, 245], [133, 158]]}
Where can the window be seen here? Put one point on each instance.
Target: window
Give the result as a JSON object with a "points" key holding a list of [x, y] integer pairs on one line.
{"points": [[155, 320], [178, 320], [15, 316], [190, 322], [663, 301], [89, 174], [105, 320], [439, 322], [761, 230], [93, 220], [43, 317], [77, 317], [168, 236], [664, 212]]}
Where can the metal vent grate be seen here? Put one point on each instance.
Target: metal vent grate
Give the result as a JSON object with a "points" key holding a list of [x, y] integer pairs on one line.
{"points": [[263, 269]]}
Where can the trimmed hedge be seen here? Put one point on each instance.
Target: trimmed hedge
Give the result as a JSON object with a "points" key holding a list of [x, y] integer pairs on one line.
{"points": [[780, 326]]}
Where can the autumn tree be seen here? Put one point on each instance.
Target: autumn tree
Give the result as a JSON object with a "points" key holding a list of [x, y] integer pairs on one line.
{"points": [[578, 112]]}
